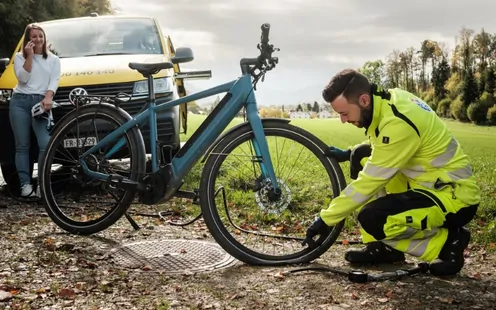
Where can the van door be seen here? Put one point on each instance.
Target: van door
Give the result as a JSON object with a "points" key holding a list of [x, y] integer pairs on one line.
{"points": [[179, 77]]}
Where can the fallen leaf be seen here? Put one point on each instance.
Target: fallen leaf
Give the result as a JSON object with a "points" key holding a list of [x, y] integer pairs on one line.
{"points": [[49, 244], [383, 300], [279, 275], [446, 300], [14, 292], [354, 296], [67, 293], [41, 290], [389, 294], [476, 276], [146, 268]]}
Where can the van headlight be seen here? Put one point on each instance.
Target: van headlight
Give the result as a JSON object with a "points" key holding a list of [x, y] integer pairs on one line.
{"points": [[161, 85]]}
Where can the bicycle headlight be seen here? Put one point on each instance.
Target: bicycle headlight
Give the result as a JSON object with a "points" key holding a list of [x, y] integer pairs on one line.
{"points": [[161, 85]]}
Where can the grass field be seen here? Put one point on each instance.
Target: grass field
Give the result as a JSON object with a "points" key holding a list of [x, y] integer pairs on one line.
{"points": [[477, 141]]}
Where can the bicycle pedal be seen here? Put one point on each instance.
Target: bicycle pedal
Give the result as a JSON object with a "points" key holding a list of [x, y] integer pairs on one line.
{"points": [[118, 181]]}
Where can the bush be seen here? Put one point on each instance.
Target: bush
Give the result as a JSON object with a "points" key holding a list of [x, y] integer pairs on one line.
{"points": [[477, 113], [443, 108], [487, 99], [454, 86], [459, 110], [432, 104], [428, 95], [491, 115]]}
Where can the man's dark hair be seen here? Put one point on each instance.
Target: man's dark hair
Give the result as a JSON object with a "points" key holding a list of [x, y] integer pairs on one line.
{"points": [[348, 82]]}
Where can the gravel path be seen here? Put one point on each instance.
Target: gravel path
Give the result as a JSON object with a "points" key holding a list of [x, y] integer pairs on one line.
{"points": [[42, 267]]}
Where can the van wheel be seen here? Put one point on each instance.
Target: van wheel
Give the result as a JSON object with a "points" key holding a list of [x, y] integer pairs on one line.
{"points": [[12, 185]]}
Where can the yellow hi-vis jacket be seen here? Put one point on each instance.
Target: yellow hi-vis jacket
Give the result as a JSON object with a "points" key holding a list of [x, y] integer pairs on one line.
{"points": [[408, 138]]}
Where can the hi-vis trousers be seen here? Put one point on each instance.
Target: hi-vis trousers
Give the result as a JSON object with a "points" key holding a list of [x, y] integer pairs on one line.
{"points": [[413, 221]]}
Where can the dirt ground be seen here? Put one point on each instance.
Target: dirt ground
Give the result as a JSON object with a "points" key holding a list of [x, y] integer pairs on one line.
{"points": [[42, 267]]}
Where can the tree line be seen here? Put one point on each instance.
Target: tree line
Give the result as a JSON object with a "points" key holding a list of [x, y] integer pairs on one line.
{"points": [[15, 15], [457, 83]]}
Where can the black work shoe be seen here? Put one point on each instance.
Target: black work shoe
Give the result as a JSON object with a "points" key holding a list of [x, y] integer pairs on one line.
{"points": [[374, 253], [451, 260]]}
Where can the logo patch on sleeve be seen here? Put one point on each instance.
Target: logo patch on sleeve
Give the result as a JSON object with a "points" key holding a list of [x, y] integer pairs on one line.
{"points": [[421, 104], [385, 140]]}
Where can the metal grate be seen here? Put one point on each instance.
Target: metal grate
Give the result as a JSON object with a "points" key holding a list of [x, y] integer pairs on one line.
{"points": [[172, 256]]}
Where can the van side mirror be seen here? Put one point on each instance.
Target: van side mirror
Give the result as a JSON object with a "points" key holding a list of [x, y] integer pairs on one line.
{"points": [[182, 54], [3, 64]]}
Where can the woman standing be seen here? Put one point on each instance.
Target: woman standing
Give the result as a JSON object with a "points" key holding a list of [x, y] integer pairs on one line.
{"points": [[38, 73]]}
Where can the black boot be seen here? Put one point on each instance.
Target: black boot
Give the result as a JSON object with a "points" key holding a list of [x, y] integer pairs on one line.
{"points": [[374, 253], [451, 260]]}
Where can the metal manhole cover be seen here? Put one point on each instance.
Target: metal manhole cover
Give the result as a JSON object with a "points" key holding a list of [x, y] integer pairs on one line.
{"points": [[173, 256]]}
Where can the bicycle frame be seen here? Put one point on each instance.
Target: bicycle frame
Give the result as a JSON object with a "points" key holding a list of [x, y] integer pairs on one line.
{"points": [[239, 94]]}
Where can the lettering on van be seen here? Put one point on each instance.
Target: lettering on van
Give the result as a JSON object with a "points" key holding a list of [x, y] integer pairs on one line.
{"points": [[80, 73]]}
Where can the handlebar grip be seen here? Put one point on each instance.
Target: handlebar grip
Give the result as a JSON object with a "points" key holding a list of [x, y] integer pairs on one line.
{"points": [[265, 33]]}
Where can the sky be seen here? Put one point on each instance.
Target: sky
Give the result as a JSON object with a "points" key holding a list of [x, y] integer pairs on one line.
{"points": [[317, 38]]}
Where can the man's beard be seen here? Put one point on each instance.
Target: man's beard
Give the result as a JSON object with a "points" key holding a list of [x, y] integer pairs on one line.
{"points": [[365, 117]]}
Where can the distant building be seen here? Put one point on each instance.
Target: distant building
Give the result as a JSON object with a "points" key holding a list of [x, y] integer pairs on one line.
{"points": [[325, 114], [299, 115]]}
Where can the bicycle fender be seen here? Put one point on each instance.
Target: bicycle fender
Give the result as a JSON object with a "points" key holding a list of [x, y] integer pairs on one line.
{"points": [[244, 124], [73, 111]]}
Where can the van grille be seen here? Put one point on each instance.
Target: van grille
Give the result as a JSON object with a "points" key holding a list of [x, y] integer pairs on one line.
{"points": [[165, 125], [62, 94]]}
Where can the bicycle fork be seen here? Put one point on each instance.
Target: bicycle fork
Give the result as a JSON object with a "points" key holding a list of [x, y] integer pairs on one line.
{"points": [[262, 154]]}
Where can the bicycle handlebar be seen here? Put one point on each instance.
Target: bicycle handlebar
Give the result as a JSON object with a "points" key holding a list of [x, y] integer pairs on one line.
{"points": [[265, 33], [265, 61]]}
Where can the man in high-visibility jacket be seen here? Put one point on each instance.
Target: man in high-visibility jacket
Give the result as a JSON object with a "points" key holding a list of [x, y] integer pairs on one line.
{"points": [[414, 187]]}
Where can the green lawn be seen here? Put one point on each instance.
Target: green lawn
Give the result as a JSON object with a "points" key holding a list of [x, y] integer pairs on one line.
{"points": [[477, 141]]}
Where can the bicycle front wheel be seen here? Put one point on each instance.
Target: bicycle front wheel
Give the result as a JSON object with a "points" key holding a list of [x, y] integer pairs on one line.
{"points": [[241, 212], [74, 201]]}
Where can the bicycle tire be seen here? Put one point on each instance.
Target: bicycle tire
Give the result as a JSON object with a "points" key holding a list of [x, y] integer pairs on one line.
{"points": [[137, 151], [212, 219]]}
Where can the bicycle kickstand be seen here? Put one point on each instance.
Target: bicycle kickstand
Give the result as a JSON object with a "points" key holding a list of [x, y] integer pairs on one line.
{"points": [[132, 221]]}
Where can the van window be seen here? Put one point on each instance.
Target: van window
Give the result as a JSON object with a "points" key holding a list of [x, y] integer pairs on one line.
{"points": [[95, 36]]}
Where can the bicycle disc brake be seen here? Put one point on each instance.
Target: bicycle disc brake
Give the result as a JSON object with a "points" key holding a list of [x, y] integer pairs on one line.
{"points": [[268, 200]]}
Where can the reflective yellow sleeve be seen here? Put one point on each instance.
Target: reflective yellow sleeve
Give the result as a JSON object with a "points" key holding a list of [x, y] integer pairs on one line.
{"points": [[396, 144]]}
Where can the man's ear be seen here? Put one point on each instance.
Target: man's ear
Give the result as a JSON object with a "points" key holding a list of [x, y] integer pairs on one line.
{"points": [[364, 100]]}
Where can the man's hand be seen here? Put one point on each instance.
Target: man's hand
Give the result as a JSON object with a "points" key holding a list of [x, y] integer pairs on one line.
{"points": [[317, 228], [340, 155]]}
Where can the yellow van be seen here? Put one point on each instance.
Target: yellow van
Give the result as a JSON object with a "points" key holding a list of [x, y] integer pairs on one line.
{"points": [[95, 52]]}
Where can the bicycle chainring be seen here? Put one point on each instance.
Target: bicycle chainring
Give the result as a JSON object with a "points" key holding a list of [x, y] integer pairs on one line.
{"points": [[156, 184]]}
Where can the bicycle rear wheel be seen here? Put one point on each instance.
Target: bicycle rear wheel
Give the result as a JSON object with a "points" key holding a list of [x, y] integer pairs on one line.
{"points": [[63, 195], [236, 203]]}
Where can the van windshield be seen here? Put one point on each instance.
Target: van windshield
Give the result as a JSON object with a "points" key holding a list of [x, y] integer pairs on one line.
{"points": [[102, 36]]}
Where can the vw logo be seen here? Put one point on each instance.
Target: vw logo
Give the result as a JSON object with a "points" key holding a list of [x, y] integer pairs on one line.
{"points": [[76, 92]]}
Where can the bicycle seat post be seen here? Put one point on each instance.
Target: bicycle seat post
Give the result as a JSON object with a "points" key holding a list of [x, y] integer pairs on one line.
{"points": [[151, 89]]}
